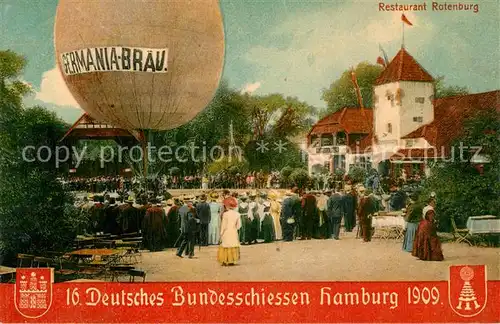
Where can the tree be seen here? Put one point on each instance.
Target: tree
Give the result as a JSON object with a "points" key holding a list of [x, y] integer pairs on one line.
{"points": [[461, 190], [300, 178], [357, 174], [36, 212], [341, 92], [442, 90]]}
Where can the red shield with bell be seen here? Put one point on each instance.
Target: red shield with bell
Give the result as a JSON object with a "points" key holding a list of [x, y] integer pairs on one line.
{"points": [[33, 291], [467, 289]]}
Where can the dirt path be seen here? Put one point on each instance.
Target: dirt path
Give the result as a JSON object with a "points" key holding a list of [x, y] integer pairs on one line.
{"points": [[348, 259]]}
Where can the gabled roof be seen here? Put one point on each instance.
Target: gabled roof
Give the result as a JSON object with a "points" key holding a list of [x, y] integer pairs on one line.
{"points": [[87, 127], [450, 113], [403, 67], [350, 120]]}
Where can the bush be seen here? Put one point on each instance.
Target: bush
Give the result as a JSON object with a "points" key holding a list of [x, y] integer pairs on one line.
{"points": [[357, 175], [230, 165], [36, 213], [461, 190], [300, 178]]}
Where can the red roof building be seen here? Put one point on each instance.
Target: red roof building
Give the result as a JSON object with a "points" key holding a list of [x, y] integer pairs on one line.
{"points": [[403, 67], [425, 129], [351, 121], [450, 113], [86, 128]]}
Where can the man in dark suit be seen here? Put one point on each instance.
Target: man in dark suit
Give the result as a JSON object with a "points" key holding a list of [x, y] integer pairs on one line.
{"points": [[189, 221], [204, 214], [335, 211]]}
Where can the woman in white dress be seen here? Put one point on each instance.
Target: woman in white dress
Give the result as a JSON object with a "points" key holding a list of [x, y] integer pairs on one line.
{"points": [[275, 213], [229, 249], [214, 225]]}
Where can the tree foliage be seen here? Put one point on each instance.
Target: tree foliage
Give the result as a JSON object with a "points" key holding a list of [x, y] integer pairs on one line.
{"points": [[300, 178], [442, 90], [341, 92], [461, 190], [357, 174], [246, 120], [36, 213]]}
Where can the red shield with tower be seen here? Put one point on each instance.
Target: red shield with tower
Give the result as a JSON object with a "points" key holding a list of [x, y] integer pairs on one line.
{"points": [[33, 291]]}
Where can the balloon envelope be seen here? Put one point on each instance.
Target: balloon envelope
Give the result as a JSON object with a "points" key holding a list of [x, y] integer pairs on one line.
{"points": [[140, 64]]}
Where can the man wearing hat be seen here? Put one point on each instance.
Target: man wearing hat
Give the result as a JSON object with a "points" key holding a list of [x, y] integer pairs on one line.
{"points": [[350, 200], [154, 227], [309, 214], [335, 212], [111, 217], [173, 226], [189, 220], [290, 214], [398, 199], [128, 218], [204, 214], [367, 207]]}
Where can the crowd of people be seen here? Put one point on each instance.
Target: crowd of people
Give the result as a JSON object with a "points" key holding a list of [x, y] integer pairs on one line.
{"points": [[223, 180], [231, 219]]}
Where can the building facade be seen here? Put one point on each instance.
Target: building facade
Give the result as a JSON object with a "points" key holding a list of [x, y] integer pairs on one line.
{"points": [[406, 128]]}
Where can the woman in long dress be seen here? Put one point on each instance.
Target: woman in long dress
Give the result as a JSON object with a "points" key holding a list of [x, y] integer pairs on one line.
{"points": [[427, 245], [275, 213], [214, 225], [413, 217], [229, 249]]}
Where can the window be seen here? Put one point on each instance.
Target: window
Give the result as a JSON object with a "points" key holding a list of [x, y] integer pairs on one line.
{"points": [[418, 119], [410, 143], [375, 98], [326, 140], [419, 100], [389, 128]]}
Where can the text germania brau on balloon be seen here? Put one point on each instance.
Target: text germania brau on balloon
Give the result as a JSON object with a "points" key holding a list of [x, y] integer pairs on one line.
{"points": [[115, 58]]}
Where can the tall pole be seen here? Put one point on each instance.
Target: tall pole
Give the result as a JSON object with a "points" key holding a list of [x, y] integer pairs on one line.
{"points": [[403, 41], [145, 152]]}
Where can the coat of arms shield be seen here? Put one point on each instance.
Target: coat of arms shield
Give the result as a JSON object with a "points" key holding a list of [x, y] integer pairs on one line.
{"points": [[467, 289], [33, 291]]}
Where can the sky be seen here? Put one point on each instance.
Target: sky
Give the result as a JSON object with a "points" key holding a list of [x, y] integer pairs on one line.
{"points": [[294, 47]]}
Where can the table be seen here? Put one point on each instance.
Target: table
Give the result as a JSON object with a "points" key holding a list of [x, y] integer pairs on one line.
{"points": [[91, 253], [94, 252], [486, 227], [483, 225], [5, 271], [389, 226]]}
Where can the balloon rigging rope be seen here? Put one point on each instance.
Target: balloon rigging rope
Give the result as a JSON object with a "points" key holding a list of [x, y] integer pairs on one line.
{"points": [[130, 104], [137, 103], [169, 103], [151, 98]]}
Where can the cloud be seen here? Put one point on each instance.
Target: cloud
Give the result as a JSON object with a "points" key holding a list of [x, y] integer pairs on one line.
{"points": [[327, 42], [250, 87], [53, 90]]}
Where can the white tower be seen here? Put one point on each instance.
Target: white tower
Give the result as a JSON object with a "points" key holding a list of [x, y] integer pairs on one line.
{"points": [[403, 101]]}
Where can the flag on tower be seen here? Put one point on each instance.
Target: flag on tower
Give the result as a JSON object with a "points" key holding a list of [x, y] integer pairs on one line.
{"points": [[404, 19], [386, 59], [380, 61]]}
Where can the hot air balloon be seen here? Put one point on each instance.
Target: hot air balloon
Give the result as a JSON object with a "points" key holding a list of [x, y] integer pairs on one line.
{"points": [[140, 64]]}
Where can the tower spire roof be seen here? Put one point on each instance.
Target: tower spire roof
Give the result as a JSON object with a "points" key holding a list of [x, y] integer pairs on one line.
{"points": [[403, 67]]}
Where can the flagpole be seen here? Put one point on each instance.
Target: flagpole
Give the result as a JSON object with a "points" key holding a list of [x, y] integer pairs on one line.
{"points": [[403, 41]]}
